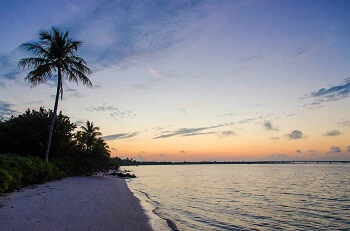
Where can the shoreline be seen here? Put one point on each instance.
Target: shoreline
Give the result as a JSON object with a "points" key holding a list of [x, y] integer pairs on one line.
{"points": [[156, 220], [74, 203]]}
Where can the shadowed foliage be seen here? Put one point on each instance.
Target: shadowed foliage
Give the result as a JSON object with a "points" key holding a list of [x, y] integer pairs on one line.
{"points": [[24, 136]]}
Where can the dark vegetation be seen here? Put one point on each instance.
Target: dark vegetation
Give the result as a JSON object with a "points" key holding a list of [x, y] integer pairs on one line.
{"points": [[22, 148]]}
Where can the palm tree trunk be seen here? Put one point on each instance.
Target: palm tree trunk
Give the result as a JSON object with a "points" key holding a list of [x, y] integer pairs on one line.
{"points": [[53, 116]]}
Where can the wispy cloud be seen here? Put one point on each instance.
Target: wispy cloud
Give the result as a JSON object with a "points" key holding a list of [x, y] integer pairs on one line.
{"points": [[154, 73], [183, 151], [254, 106], [345, 123], [79, 122], [119, 136], [299, 151], [228, 133], [245, 63], [336, 92], [332, 133], [188, 132], [294, 135], [142, 86], [69, 91], [159, 155], [335, 149], [274, 138], [184, 111], [6, 110], [280, 156], [226, 114], [117, 32], [8, 65], [268, 126], [246, 121], [198, 133], [114, 112]]}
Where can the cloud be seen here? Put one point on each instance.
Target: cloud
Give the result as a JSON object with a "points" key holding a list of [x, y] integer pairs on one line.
{"points": [[299, 151], [226, 114], [336, 92], [280, 156], [8, 65], [294, 135], [120, 32], [114, 149], [79, 122], [187, 132], [253, 106], [119, 136], [6, 110], [274, 138], [72, 92], [199, 133], [159, 155], [246, 63], [332, 133], [183, 151], [183, 111], [142, 86], [268, 126], [345, 123], [223, 134], [335, 149], [140, 158], [311, 150], [246, 121], [154, 73], [114, 112], [302, 50]]}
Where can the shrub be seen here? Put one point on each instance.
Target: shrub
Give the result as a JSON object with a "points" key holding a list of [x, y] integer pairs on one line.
{"points": [[17, 171]]}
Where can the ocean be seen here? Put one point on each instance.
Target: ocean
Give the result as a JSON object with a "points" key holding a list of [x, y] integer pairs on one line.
{"points": [[246, 197]]}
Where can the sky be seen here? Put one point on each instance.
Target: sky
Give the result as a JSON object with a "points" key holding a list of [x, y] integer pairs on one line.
{"points": [[195, 80]]}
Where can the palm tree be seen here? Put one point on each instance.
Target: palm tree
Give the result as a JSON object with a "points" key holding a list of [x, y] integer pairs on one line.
{"points": [[54, 53], [89, 135]]}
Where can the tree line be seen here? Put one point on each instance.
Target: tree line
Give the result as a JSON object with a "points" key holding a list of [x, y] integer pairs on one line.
{"points": [[27, 140]]}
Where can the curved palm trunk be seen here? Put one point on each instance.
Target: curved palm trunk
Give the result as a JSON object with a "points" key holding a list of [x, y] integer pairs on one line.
{"points": [[53, 117]]}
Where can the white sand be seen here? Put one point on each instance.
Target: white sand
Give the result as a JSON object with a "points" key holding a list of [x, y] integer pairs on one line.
{"points": [[76, 203]]}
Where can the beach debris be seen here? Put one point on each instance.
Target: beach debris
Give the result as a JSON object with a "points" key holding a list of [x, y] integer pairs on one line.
{"points": [[115, 172]]}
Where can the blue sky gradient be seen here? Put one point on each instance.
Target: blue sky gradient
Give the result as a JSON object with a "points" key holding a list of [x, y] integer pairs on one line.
{"points": [[196, 80]]}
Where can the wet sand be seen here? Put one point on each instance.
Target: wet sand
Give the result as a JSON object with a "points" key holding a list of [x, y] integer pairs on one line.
{"points": [[75, 203]]}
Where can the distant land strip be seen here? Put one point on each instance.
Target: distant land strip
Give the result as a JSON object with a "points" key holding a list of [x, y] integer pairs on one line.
{"points": [[240, 162]]}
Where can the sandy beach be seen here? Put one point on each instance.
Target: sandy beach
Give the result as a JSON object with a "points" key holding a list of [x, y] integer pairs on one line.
{"points": [[75, 203]]}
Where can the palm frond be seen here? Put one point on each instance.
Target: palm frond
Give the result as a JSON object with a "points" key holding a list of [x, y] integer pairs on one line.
{"points": [[37, 49], [39, 75], [55, 51], [79, 75], [32, 62]]}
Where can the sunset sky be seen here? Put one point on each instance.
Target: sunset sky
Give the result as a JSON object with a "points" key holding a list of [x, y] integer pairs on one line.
{"points": [[195, 80]]}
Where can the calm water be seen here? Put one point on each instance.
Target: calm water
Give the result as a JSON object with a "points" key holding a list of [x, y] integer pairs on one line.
{"points": [[248, 197]]}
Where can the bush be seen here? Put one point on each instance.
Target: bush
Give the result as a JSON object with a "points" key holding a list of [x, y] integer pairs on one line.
{"points": [[17, 172]]}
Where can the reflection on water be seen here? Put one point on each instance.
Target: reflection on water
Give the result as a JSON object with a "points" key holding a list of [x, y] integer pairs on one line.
{"points": [[246, 197]]}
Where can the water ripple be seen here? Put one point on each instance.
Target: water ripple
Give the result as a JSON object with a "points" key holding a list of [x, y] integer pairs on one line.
{"points": [[249, 197]]}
